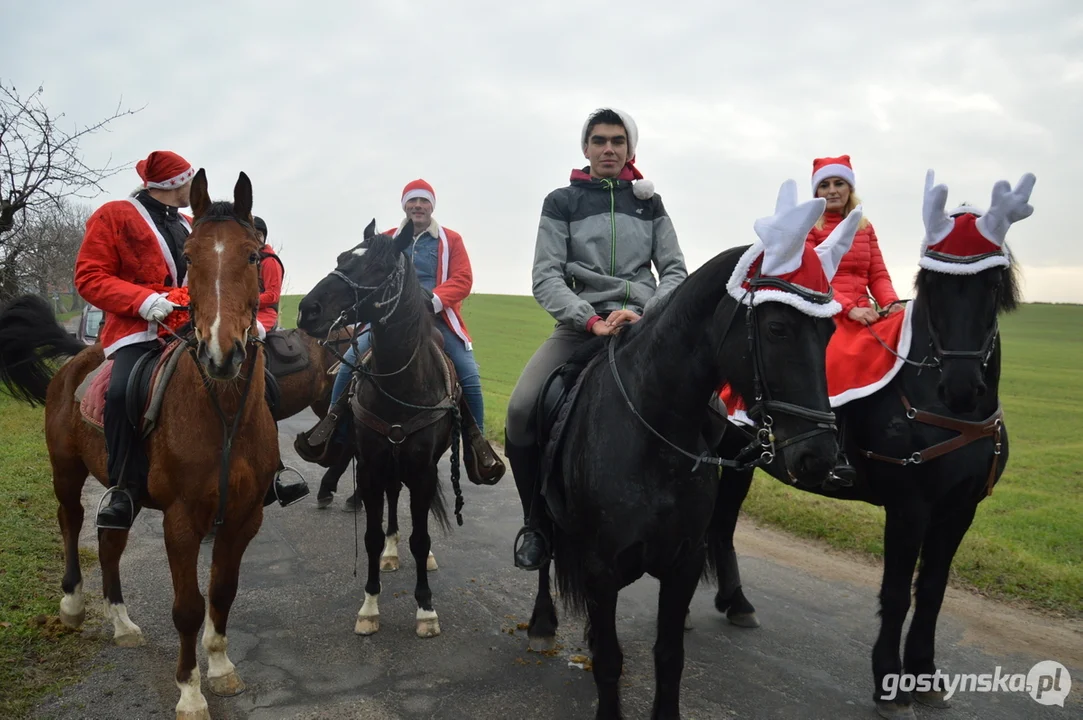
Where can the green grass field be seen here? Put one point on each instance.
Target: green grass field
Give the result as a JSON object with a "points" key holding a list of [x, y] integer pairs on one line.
{"points": [[1027, 540], [36, 652]]}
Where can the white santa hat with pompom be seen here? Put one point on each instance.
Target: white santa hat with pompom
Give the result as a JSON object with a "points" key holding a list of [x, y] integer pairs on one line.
{"points": [[643, 189]]}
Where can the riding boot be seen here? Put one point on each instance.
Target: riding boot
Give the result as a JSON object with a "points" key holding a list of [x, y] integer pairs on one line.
{"points": [[327, 444], [286, 493], [531, 545], [125, 495], [843, 474], [483, 465]]}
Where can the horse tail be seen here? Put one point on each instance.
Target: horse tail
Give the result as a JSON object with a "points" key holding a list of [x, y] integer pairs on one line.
{"points": [[31, 340], [571, 571], [438, 506]]}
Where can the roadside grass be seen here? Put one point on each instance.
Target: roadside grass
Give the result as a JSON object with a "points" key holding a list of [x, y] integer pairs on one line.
{"points": [[37, 653]]}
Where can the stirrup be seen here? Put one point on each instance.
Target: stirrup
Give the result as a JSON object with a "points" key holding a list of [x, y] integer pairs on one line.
{"points": [[546, 548], [303, 483], [101, 504]]}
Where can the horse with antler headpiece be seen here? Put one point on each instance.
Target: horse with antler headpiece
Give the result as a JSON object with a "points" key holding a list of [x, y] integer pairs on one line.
{"points": [[917, 398]]}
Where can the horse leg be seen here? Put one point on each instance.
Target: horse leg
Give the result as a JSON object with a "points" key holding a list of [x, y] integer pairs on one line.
{"points": [[428, 624], [942, 539], [182, 547], [903, 533], [674, 596], [329, 482], [730, 599], [368, 617], [389, 560], [67, 486], [608, 659], [229, 547], [111, 544], [542, 632]]}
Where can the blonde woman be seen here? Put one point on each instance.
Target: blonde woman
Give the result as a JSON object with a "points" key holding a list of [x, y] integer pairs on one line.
{"points": [[862, 272]]}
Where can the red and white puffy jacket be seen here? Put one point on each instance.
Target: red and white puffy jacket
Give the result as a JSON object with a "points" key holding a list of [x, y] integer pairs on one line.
{"points": [[862, 271]]}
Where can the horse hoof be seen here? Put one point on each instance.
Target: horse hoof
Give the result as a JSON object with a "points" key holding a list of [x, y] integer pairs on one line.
{"points": [[744, 620], [322, 503], [73, 620], [542, 644], [203, 714], [129, 640], [389, 563], [227, 685], [430, 564], [895, 711], [367, 625], [933, 699], [428, 627]]}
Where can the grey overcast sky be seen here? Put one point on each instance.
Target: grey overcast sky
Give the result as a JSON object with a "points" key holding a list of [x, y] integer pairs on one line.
{"points": [[331, 107]]}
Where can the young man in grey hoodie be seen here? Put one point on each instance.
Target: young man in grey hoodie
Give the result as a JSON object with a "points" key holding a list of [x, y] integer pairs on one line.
{"points": [[597, 239]]}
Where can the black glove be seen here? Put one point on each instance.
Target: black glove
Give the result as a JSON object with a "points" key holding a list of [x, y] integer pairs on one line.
{"points": [[428, 298]]}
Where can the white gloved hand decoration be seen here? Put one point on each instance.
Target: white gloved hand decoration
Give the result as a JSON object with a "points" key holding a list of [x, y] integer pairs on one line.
{"points": [[1008, 207]]}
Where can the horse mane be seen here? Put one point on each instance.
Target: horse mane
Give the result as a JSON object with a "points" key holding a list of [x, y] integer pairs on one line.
{"points": [[220, 210]]}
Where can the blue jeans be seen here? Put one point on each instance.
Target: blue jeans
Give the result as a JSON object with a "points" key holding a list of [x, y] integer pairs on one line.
{"points": [[465, 367]]}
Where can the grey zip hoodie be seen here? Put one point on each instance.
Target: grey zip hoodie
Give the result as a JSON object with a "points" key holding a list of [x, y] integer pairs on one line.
{"points": [[596, 243]]}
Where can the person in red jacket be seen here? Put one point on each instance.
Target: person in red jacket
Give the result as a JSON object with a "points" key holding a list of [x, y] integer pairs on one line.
{"points": [[271, 271], [132, 255], [862, 274]]}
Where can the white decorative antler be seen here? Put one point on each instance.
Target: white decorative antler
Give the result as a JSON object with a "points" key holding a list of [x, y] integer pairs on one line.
{"points": [[937, 223], [1008, 206], [838, 242], [783, 234]]}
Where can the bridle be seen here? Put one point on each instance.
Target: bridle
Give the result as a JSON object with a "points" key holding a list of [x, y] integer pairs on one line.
{"points": [[764, 441]]}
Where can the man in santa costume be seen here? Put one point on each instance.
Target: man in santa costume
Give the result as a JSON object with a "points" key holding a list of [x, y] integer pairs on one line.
{"points": [[443, 269], [132, 255]]}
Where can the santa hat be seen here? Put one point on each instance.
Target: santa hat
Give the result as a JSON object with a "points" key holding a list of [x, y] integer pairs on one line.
{"points": [[823, 168], [165, 170], [968, 240], [784, 267], [418, 189], [643, 189]]}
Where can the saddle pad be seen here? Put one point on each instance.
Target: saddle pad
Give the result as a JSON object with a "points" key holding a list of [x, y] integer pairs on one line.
{"points": [[92, 390], [286, 352]]}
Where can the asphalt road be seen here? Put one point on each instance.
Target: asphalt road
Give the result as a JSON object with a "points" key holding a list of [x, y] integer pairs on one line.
{"points": [[291, 632]]}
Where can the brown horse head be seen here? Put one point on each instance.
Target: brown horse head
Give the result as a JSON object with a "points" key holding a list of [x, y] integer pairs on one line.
{"points": [[223, 276]]}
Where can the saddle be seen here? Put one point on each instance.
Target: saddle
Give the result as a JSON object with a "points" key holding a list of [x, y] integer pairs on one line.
{"points": [[554, 407], [287, 352], [146, 387]]}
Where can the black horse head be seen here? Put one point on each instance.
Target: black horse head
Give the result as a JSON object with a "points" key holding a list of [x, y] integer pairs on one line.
{"points": [[367, 285], [966, 280]]}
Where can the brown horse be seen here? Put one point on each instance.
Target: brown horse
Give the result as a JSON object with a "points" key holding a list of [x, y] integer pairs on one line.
{"points": [[218, 384], [311, 387]]}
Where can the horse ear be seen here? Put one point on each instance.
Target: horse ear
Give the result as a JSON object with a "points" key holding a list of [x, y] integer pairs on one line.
{"points": [[831, 250], [242, 198], [405, 236], [198, 198], [370, 230]]}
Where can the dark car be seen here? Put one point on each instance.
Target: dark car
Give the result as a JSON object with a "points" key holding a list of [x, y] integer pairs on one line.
{"points": [[90, 325]]}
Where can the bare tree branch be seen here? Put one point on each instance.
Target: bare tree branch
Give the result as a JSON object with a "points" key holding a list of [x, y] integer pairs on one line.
{"points": [[42, 164]]}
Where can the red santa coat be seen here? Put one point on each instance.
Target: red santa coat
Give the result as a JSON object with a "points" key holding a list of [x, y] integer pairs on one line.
{"points": [[270, 272], [123, 264], [862, 270], [454, 279]]}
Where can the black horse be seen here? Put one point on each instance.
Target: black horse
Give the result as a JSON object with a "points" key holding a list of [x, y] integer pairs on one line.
{"points": [[405, 401], [639, 480], [928, 446]]}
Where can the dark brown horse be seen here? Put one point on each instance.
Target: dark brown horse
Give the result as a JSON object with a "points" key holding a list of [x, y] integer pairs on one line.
{"points": [[311, 387], [219, 377], [405, 406]]}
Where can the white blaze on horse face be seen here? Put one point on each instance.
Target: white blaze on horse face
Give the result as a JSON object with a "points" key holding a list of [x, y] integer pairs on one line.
{"points": [[218, 663], [191, 703], [359, 252], [214, 346]]}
